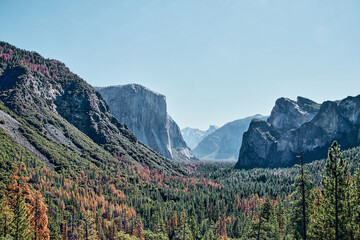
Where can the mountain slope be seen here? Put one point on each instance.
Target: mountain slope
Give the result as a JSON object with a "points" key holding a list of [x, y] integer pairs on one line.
{"points": [[193, 136], [224, 142], [54, 104], [295, 127], [145, 113]]}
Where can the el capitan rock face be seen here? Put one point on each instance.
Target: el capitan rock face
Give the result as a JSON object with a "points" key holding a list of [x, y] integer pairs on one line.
{"points": [[145, 113], [299, 126], [58, 103]]}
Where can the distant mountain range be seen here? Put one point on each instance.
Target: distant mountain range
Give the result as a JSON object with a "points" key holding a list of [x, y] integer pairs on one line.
{"points": [[224, 142], [193, 136], [300, 126], [145, 113]]}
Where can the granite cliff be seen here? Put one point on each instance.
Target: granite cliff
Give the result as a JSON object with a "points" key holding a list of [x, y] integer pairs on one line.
{"points": [[145, 113], [300, 126], [45, 105]]}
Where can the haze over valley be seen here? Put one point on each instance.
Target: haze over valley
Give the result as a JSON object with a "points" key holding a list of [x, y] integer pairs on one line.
{"points": [[173, 120]]}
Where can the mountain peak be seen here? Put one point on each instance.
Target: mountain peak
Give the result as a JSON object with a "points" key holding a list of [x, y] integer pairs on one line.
{"points": [[300, 126], [288, 114], [45, 91]]}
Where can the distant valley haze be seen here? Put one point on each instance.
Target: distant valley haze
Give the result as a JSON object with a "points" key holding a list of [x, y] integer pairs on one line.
{"points": [[172, 120]]}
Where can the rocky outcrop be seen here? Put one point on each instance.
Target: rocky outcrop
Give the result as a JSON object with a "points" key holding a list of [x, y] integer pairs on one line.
{"points": [[224, 143], [288, 114], [49, 96], [295, 127], [145, 113], [193, 136]]}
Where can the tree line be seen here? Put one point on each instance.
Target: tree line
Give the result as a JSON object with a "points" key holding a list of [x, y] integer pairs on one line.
{"points": [[142, 203]]}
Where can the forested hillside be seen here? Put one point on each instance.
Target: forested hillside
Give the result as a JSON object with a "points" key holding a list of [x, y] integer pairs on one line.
{"points": [[142, 203], [61, 181]]}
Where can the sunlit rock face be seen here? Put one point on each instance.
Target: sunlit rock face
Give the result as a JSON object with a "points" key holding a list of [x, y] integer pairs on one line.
{"points": [[300, 126], [145, 113]]}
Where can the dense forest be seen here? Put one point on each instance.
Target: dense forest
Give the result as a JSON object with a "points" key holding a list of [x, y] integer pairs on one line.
{"points": [[213, 202], [107, 185]]}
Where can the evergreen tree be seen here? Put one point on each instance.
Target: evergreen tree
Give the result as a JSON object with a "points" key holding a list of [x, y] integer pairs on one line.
{"points": [[183, 231], [356, 204], [318, 227], [281, 217], [6, 219], [18, 191], [301, 204], [87, 230], [194, 228], [333, 202], [237, 230], [54, 229], [99, 225], [161, 228], [21, 221], [264, 225]]}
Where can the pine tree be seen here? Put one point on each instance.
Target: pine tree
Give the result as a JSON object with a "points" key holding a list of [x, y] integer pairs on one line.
{"points": [[237, 230], [281, 217], [99, 225], [183, 231], [21, 221], [18, 192], [38, 219], [194, 228], [301, 204], [333, 209], [318, 226], [161, 228], [54, 229], [355, 195], [264, 225], [6, 219], [87, 230]]}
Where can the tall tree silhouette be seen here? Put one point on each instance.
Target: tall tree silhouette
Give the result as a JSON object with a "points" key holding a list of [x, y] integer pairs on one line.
{"points": [[302, 202], [332, 205]]}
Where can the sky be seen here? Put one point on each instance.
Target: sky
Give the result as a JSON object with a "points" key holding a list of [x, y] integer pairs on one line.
{"points": [[215, 60]]}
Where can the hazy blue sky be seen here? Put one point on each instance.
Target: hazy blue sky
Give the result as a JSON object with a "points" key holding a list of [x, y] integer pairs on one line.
{"points": [[216, 61]]}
